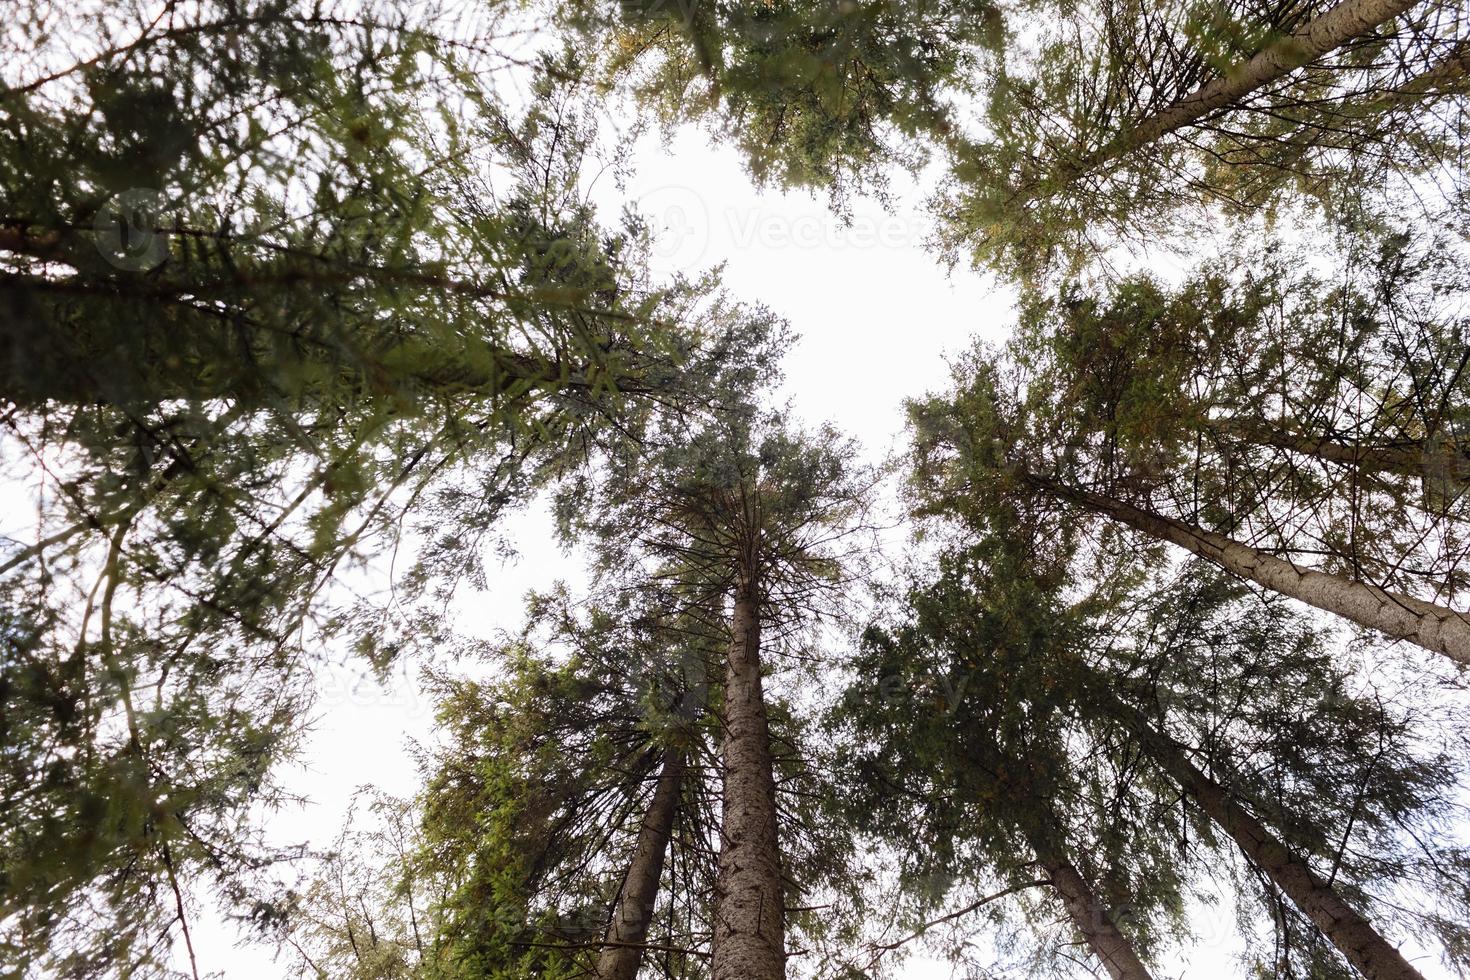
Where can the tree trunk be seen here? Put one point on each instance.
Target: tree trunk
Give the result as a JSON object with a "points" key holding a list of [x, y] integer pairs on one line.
{"points": [[150, 347], [1438, 80], [1411, 461], [1403, 617], [1343, 23], [633, 911], [749, 928], [1357, 940], [1085, 907]]}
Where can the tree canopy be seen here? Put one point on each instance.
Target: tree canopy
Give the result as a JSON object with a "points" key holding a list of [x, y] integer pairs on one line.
{"points": [[1158, 617]]}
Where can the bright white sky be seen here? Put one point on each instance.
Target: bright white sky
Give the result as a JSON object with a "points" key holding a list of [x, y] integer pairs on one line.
{"points": [[877, 315]]}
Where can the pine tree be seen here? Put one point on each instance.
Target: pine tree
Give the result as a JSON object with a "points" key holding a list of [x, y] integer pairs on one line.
{"points": [[960, 758], [568, 823], [1198, 417], [1254, 721], [1123, 124], [1042, 739], [563, 826], [756, 513], [313, 245], [829, 95]]}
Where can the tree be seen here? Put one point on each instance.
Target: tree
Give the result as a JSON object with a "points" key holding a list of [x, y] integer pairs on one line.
{"points": [[295, 198], [567, 824], [1255, 417], [828, 96], [755, 514], [1241, 109], [368, 913], [961, 756], [568, 796], [1255, 720], [1323, 34], [345, 338], [593, 842], [1357, 939], [1041, 738], [1083, 904]]}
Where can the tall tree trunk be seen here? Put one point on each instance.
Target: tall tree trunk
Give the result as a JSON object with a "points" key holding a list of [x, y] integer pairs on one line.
{"points": [[749, 929], [633, 911], [1357, 940], [1446, 72], [1085, 907], [1411, 461], [138, 355], [1403, 617], [1344, 22]]}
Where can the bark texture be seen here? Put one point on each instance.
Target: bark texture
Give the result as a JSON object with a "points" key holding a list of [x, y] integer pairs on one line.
{"points": [[749, 928], [1086, 908], [1369, 953], [628, 929], [1332, 29], [1434, 627]]}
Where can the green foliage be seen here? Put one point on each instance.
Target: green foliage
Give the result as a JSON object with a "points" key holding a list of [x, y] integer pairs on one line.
{"points": [[534, 798], [964, 746], [741, 499], [1313, 415], [986, 690], [1054, 177], [825, 95], [531, 808], [1356, 774]]}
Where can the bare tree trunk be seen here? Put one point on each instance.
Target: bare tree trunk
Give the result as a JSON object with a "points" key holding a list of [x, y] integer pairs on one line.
{"points": [[749, 928], [1357, 940], [1440, 79], [1403, 617], [1084, 905], [1344, 22], [142, 359], [633, 911], [1411, 461]]}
